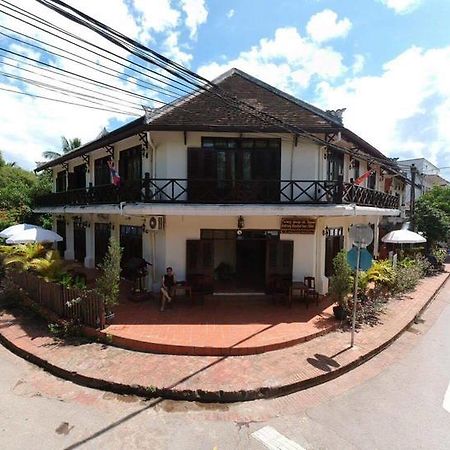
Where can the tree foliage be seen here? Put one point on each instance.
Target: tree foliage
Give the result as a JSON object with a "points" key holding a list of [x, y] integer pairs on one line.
{"points": [[18, 190], [433, 214], [67, 145]]}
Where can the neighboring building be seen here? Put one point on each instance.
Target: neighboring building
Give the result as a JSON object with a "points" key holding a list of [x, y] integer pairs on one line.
{"points": [[427, 176], [233, 204]]}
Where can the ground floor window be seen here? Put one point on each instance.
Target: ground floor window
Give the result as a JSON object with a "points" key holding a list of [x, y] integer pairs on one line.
{"points": [[334, 243], [102, 236], [131, 242]]}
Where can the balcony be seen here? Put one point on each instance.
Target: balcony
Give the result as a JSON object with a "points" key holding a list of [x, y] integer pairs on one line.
{"points": [[212, 191]]}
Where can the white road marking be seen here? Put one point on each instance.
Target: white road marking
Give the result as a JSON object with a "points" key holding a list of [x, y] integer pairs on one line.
{"points": [[273, 440], [446, 402]]}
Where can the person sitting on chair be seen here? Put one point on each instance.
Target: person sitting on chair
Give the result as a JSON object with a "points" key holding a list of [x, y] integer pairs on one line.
{"points": [[167, 287]]}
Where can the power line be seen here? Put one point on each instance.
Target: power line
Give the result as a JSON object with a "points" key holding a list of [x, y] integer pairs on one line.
{"points": [[115, 74], [194, 80], [35, 18], [80, 76], [68, 103]]}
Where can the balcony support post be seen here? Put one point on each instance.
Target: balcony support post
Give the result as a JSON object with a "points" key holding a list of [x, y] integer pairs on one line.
{"points": [[340, 189]]}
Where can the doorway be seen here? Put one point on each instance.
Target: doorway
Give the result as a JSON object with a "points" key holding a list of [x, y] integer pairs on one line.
{"points": [[225, 261], [251, 264]]}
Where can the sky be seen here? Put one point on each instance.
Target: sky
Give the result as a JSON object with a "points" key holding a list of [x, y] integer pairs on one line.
{"points": [[385, 61]]}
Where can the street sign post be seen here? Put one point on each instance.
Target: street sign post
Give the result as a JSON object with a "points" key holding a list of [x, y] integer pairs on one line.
{"points": [[362, 236]]}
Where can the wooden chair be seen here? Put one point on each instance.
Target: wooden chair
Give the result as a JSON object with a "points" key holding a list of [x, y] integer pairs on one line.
{"points": [[279, 292], [310, 291]]}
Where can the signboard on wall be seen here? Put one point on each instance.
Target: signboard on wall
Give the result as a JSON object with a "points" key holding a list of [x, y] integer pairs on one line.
{"points": [[298, 225]]}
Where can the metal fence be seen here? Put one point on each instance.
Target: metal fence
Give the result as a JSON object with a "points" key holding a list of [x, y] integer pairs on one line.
{"points": [[83, 305]]}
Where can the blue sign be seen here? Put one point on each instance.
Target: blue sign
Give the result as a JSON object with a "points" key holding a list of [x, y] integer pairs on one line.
{"points": [[365, 259]]}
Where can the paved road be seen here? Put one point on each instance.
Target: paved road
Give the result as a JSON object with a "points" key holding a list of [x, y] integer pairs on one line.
{"points": [[395, 401]]}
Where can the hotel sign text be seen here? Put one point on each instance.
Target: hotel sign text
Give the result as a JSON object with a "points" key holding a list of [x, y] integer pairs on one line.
{"points": [[298, 225]]}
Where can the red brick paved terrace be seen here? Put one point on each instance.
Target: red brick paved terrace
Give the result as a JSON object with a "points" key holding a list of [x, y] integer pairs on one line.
{"points": [[223, 325]]}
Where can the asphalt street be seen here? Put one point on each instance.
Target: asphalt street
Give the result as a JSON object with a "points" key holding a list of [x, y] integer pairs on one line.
{"points": [[398, 400]]}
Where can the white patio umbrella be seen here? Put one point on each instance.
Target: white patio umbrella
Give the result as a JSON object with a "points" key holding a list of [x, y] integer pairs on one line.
{"points": [[402, 236], [36, 234], [14, 229]]}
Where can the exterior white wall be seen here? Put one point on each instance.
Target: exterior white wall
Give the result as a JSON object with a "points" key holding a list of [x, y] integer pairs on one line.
{"points": [[168, 247]]}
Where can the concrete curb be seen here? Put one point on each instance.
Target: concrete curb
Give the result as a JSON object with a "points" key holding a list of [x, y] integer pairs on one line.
{"points": [[203, 395]]}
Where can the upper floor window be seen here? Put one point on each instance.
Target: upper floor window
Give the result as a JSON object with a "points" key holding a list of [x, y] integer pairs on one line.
{"points": [[356, 169], [77, 178], [372, 180], [130, 164], [102, 174], [335, 165], [61, 181], [237, 169]]}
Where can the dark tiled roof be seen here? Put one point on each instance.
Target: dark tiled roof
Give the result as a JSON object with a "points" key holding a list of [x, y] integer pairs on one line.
{"points": [[205, 111]]}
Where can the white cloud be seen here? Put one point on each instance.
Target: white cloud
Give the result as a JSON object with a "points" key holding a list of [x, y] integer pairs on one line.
{"points": [[358, 63], [196, 14], [402, 6], [287, 61], [173, 51], [230, 13], [404, 111], [325, 25], [156, 15], [29, 126]]}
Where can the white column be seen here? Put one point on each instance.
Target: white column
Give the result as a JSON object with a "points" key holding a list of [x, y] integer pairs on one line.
{"points": [[376, 237], [322, 280], [89, 259]]}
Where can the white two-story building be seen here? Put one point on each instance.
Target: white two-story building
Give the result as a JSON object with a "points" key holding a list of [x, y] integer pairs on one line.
{"points": [[232, 203]]}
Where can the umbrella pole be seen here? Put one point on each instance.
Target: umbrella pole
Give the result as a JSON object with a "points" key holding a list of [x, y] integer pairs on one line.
{"points": [[355, 295]]}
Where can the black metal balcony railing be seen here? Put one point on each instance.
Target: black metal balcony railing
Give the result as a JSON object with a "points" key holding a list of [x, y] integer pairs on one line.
{"points": [[212, 191]]}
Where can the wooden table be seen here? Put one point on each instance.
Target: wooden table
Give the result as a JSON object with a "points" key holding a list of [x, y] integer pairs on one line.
{"points": [[185, 289], [297, 289]]}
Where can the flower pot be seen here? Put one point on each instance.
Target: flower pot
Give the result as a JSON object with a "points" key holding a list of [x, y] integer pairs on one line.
{"points": [[339, 312]]}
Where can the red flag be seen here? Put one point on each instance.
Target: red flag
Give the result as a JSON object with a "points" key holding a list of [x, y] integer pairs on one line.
{"points": [[360, 179], [115, 178]]}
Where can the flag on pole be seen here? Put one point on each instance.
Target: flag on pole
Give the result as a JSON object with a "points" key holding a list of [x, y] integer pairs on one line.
{"points": [[364, 176], [115, 178]]}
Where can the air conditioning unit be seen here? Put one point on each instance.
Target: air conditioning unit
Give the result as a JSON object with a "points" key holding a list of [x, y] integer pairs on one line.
{"points": [[156, 223]]}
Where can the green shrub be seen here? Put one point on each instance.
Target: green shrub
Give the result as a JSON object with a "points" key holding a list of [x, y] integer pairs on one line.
{"points": [[10, 294], [342, 280], [440, 254], [108, 284]]}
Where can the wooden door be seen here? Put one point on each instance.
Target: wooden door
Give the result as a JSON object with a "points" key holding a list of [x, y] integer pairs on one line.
{"points": [[200, 265], [79, 242], [279, 259]]}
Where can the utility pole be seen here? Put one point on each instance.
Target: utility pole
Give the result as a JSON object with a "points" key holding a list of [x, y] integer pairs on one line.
{"points": [[412, 202]]}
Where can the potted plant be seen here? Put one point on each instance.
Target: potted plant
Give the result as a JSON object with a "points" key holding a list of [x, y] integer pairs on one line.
{"points": [[108, 283], [341, 284]]}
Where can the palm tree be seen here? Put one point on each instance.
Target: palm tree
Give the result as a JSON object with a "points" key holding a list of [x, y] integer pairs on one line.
{"points": [[67, 145]]}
